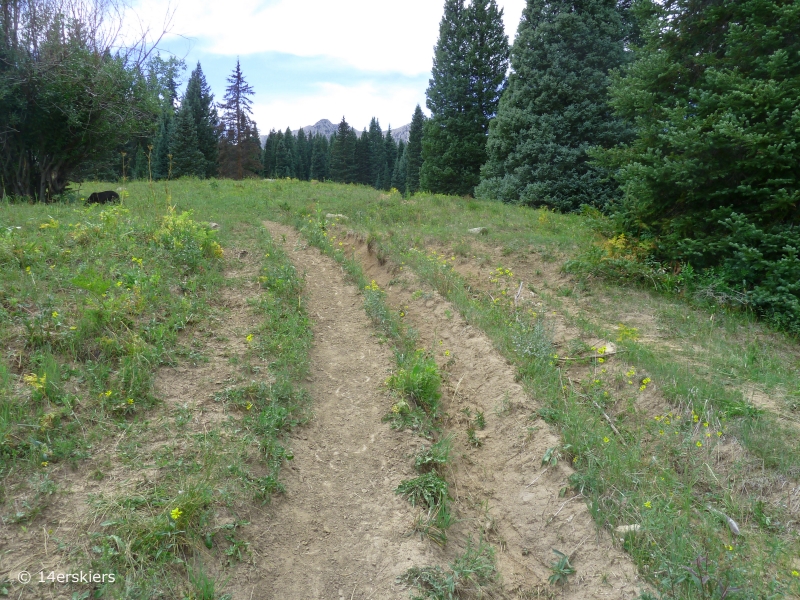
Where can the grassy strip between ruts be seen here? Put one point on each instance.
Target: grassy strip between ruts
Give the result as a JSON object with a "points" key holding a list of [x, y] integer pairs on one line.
{"points": [[656, 473], [417, 381], [169, 536]]}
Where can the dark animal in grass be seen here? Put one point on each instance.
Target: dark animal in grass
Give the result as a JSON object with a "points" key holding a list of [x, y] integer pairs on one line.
{"points": [[103, 197]]}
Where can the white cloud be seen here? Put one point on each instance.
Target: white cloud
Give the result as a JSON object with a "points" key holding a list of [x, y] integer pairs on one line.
{"points": [[393, 105], [373, 35]]}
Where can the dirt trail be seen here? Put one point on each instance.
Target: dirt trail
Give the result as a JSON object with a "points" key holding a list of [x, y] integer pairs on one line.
{"points": [[501, 486], [339, 530]]}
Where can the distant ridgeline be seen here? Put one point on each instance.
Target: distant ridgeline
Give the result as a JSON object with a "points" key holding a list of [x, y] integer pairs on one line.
{"points": [[326, 128]]}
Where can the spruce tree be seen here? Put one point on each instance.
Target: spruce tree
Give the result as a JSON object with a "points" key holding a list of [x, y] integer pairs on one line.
{"points": [[268, 154], [187, 160], [469, 66], [400, 168], [319, 158], [301, 156], [377, 155], [414, 152], [291, 153], [363, 160], [556, 107], [342, 161], [283, 160], [390, 153], [239, 147], [160, 158], [200, 101], [713, 174]]}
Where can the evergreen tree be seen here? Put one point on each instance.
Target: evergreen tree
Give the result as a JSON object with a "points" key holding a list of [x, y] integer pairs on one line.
{"points": [[343, 148], [363, 160], [160, 158], [269, 153], [200, 101], [414, 152], [377, 156], [283, 160], [556, 107], [400, 168], [301, 156], [713, 174], [319, 158], [469, 66], [239, 147], [291, 152], [390, 152], [187, 160]]}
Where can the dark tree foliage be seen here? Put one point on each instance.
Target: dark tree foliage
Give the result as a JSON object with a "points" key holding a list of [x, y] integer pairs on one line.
{"points": [[363, 166], [187, 160], [400, 168], [239, 146], [68, 94], [390, 152], [469, 67], [414, 152], [713, 174], [343, 148], [291, 153], [160, 156], [556, 107], [283, 159], [139, 167], [301, 156], [319, 158], [377, 156], [200, 101], [268, 154]]}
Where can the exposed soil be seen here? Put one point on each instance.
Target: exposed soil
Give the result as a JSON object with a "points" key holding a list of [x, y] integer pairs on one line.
{"points": [[339, 531], [501, 490]]}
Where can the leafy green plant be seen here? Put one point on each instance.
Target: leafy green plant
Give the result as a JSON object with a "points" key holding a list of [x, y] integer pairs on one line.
{"points": [[435, 457], [471, 574], [428, 490], [561, 569], [418, 379]]}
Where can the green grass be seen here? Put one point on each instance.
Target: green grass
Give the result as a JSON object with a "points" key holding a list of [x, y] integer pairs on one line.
{"points": [[92, 303], [651, 473]]}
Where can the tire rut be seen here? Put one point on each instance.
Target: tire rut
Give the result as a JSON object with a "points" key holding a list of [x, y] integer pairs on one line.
{"points": [[502, 487], [339, 529]]}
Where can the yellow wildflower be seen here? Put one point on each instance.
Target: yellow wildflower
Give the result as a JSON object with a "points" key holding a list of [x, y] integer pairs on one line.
{"points": [[176, 514]]}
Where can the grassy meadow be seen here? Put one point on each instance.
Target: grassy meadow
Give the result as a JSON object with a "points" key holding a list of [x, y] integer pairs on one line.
{"points": [[679, 415]]}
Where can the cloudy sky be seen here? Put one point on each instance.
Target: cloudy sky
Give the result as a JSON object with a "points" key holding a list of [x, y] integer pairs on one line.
{"points": [[312, 59]]}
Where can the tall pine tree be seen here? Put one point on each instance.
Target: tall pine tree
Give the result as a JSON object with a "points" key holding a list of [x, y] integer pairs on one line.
{"points": [[414, 151], [187, 160], [239, 147], [556, 107], [200, 101], [343, 147], [469, 66], [319, 158], [400, 168], [713, 174]]}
